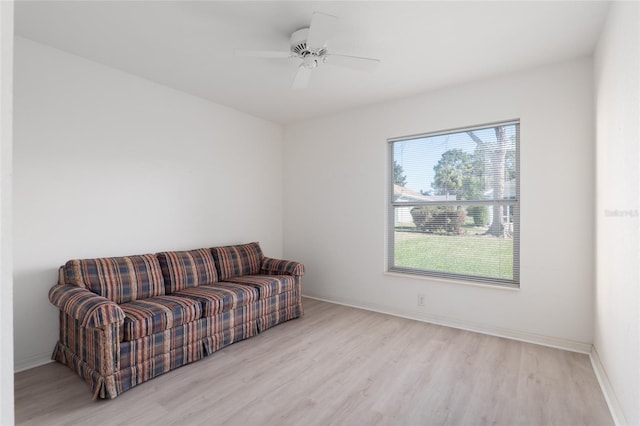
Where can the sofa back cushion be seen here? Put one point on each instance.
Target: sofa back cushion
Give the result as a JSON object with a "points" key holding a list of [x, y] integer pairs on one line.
{"points": [[119, 279], [184, 269], [238, 260]]}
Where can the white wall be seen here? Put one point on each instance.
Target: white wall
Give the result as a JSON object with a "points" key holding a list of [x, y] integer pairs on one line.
{"points": [[335, 208], [6, 263], [109, 164], [617, 313]]}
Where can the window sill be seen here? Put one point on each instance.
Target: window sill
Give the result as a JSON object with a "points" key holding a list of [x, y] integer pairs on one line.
{"points": [[451, 281]]}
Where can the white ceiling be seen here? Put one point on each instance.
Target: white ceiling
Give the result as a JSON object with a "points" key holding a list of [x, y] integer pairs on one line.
{"points": [[422, 45]]}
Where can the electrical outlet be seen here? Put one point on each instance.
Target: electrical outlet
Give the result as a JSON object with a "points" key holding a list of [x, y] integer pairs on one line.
{"points": [[420, 299]]}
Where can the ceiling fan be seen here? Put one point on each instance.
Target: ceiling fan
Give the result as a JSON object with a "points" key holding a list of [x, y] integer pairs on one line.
{"points": [[310, 45]]}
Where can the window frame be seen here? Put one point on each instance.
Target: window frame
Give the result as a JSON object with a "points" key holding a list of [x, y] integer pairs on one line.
{"points": [[513, 283]]}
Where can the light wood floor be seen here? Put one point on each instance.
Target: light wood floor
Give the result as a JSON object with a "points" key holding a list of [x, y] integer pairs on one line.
{"points": [[344, 366]]}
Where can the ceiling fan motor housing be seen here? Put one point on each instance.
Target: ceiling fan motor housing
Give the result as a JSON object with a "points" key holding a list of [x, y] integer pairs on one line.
{"points": [[298, 45]]}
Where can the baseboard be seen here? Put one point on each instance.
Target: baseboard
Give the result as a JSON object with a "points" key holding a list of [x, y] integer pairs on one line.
{"points": [[609, 395], [32, 362], [554, 342]]}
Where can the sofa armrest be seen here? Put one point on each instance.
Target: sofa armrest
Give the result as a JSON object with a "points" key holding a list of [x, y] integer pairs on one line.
{"points": [[89, 309], [281, 267]]}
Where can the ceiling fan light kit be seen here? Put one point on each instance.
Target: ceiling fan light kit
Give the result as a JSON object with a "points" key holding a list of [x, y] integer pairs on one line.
{"points": [[310, 46]]}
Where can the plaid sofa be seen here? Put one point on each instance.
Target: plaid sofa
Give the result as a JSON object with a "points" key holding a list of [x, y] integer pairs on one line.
{"points": [[126, 320]]}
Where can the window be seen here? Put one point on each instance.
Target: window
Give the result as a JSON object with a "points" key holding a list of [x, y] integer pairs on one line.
{"points": [[454, 205]]}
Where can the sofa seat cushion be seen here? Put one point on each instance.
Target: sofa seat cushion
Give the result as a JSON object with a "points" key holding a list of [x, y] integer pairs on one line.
{"points": [[267, 285], [238, 260], [184, 269], [119, 279], [149, 316], [220, 297]]}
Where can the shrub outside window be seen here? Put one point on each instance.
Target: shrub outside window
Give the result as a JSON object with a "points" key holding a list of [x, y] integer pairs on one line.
{"points": [[454, 205]]}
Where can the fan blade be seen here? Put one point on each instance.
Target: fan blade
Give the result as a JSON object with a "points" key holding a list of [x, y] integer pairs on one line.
{"points": [[321, 29], [354, 62], [301, 80], [262, 53]]}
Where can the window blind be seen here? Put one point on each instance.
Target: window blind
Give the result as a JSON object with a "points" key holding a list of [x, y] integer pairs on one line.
{"points": [[454, 205]]}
